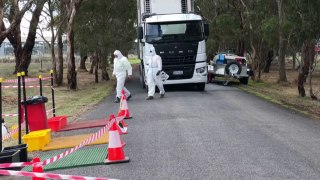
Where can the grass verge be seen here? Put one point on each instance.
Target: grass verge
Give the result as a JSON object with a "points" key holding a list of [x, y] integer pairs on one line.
{"points": [[274, 93]]}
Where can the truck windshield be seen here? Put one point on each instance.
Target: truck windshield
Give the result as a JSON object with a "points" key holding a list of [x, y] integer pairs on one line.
{"points": [[174, 32]]}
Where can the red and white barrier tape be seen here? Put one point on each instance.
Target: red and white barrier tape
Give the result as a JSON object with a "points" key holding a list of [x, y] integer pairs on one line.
{"points": [[9, 115], [51, 110], [11, 133], [7, 136], [8, 87], [91, 139], [50, 113], [48, 175], [14, 115], [27, 80]]}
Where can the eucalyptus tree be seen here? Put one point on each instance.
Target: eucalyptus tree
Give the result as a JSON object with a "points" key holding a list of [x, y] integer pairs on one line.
{"points": [[53, 21], [282, 48], [10, 11], [223, 23], [238, 24], [305, 16], [110, 26], [71, 7], [62, 13], [23, 52]]}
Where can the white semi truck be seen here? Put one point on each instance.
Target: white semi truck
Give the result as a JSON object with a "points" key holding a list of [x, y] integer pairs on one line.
{"points": [[178, 36]]}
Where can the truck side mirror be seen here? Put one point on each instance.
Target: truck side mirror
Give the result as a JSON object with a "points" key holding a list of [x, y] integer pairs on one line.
{"points": [[206, 29], [140, 32]]}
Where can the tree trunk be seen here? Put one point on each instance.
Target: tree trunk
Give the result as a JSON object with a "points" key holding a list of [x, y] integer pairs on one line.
{"points": [[294, 56], [253, 48], [312, 95], [104, 72], [59, 80], [282, 70], [54, 60], [92, 65], [240, 48], [71, 75], [29, 44], [83, 60], [96, 67], [259, 59], [72, 6], [307, 57], [53, 55], [15, 40], [268, 63], [15, 18]]}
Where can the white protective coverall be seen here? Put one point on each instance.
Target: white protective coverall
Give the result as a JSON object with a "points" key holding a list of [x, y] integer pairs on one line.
{"points": [[4, 130], [121, 66], [154, 66]]}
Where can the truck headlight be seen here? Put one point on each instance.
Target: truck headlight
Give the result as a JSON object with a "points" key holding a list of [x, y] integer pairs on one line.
{"points": [[201, 70]]}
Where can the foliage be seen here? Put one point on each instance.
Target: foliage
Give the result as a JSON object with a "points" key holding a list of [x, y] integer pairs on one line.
{"points": [[110, 26], [268, 27]]}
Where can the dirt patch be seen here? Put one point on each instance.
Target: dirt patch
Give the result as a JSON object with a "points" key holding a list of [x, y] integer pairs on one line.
{"points": [[10, 100]]}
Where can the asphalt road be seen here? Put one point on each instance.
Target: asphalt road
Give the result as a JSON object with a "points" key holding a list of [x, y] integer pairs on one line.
{"points": [[221, 133]]}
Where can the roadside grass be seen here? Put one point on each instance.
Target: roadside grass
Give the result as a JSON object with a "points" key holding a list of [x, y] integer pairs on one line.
{"points": [[6, 69], [286, 94], [134, 60], [308, 107], [75, 103]]}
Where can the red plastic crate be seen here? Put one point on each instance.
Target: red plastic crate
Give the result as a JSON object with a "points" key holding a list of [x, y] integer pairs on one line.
{"points": [[58, 122]]}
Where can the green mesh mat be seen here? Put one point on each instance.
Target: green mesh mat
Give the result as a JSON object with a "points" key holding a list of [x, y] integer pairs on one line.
{"points": [[79, 158]]}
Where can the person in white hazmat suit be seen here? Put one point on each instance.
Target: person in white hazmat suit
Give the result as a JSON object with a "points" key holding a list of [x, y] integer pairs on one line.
{"points": [[153, 78], [121, 68], [4, 129]]}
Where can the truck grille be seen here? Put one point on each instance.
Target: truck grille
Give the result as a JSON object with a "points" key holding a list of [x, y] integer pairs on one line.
{"points": [[187, 72], [178, 60]]}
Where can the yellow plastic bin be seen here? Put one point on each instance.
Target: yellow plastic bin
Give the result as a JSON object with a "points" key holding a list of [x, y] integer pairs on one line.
{"points": [[36, 140], [15, 135], [48, 135]]}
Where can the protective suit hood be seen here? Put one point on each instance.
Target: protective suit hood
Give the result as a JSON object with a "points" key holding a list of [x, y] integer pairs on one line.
{"points": [[118, 54], [152, 51]]}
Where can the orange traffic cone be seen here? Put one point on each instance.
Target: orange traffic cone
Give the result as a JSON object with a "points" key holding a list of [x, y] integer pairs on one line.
{"points": [[124, 124], [115, 151], [37, 168], [121, 130], [124, 111]]}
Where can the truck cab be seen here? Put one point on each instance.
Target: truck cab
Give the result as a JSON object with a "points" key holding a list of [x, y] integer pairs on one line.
{"points": [[178, 36]]}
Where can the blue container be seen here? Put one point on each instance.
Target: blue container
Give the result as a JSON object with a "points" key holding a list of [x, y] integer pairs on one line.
{"points": [[221, 59]]}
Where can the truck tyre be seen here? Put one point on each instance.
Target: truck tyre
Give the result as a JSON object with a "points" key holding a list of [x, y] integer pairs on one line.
{"points": [[233, 68], [201, 86], [141, 70], [244, 80]]}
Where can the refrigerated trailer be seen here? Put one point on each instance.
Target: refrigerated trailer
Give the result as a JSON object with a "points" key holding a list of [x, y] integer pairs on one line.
{"points": [[178, 36]]}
